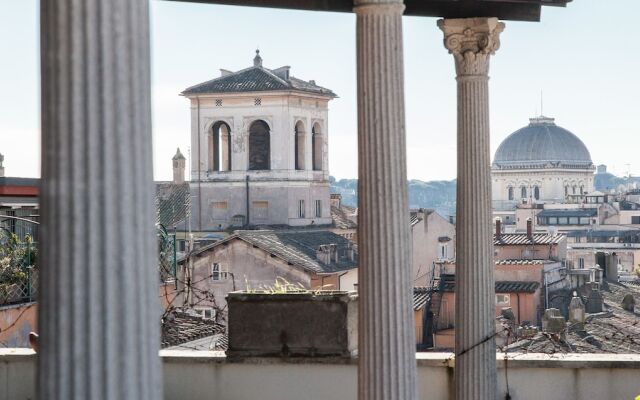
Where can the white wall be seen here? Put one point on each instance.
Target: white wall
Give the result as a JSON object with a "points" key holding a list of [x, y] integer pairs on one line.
{"points": [[204, 375]]}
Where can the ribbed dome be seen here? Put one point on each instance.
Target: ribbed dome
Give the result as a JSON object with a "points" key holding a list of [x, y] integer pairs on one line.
{"points": [[542, 144]]}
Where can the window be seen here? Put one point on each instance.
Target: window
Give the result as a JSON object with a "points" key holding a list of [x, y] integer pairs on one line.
{"points": [[259, 146], [300, 208], [316, 147], [581, 263], [523, 192], [298, 146], [219, 272], [205, 312], [563, 221], [510, 193], [259, 210], [257, 101], [503, 300], [573, 220], [218, 102], [635, 219], [219, 210], [219, 147], [536, 193], [443, 251], [318, 208]]}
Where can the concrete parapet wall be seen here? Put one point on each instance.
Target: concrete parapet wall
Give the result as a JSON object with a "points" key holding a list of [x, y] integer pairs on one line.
{"points": [[202, 374]]}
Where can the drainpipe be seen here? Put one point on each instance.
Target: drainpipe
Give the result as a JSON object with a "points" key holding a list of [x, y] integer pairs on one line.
{"points": [[199, 177], [247, 190], [518, 298]]}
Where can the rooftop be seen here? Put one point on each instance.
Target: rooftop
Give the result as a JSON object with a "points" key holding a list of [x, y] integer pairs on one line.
{"points": [[514, 239], [296, 247], [187, 332], [613, 331], [341, 219], [503, 286], [257, 79]]}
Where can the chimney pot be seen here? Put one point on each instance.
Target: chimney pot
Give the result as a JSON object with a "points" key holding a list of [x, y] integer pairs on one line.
{"points": [[498, 228], [530, 228]]}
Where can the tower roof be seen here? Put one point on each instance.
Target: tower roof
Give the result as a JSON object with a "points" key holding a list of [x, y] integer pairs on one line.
{"points": [[257, 79], [178, 155]]}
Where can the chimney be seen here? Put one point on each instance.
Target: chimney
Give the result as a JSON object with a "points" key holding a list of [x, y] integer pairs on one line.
{"points": [[530, 228], [334, 250], [282, 72], [336, 200], [498, 228], [178, 167], [351, 251]]}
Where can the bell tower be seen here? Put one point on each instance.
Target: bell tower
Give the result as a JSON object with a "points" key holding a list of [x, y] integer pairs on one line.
{"points": [[259, 149]]}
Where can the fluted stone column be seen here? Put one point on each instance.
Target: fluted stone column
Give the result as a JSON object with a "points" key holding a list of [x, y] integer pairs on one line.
{"points": [[472, 41], [387, 364], [99, 309]]}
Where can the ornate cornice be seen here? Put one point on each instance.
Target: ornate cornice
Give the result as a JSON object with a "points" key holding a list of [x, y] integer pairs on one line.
{"points": [[471, 41]]}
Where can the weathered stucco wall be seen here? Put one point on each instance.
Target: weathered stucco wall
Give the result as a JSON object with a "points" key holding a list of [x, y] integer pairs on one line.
{"points": [[425, 245], [15, 324], [248, 267]]}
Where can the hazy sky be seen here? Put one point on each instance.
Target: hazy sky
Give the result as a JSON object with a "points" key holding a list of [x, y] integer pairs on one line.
{"points": [[583, 58]]}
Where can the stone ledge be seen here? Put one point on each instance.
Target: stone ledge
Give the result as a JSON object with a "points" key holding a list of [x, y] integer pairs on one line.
{"points": [[515, 360]]}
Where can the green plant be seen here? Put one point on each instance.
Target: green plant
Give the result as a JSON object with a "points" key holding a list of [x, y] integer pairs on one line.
{"points": [[17, 260], [283, 286]]}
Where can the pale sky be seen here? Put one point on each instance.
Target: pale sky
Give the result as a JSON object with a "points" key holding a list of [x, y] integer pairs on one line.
{"points": [[583, 59]]}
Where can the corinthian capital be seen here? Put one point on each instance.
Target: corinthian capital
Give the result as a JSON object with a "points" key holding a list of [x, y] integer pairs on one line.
{"points": [[471, 41]]}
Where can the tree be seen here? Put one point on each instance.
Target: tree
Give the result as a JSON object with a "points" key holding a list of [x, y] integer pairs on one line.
{"points": [[17, 261]]}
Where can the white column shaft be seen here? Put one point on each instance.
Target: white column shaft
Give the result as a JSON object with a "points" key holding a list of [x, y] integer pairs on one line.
{"points": [[472, 41], [387, 364], [99, 308]]}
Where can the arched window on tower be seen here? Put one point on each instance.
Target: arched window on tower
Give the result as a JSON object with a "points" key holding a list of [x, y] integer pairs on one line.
{"points": [[259, 146], [316, 147], [523, 192], [510, 193], [219, 147], [536, 192], [298, 145]]}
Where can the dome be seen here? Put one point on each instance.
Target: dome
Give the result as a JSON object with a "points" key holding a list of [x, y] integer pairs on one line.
{"points": [[540, 144]]}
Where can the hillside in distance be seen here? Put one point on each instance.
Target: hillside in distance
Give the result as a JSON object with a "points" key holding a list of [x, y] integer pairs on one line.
{"points": [[439, 195]]}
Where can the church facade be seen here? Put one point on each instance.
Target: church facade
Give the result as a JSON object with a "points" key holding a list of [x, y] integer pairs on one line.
{"points": [[540, 163], [259, 145]]}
